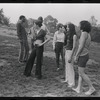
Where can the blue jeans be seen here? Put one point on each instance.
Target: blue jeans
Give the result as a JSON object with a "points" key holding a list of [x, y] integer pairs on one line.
{"points": [[37, 53], [58, 52], [24, 50]]}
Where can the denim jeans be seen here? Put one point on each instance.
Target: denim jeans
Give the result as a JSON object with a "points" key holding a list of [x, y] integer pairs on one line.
{"points": [[24, 50], [37, 53], [59, 51], [32, 46], [69, 69]]}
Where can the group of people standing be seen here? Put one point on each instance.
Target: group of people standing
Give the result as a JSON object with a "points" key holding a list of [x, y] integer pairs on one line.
{"points": [[64, 43]]}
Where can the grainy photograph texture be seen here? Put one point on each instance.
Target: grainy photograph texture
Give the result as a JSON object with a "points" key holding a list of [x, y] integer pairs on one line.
{"points": [[49, 50]]}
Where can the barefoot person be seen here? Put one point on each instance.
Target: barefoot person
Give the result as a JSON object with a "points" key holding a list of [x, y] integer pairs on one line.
{"points": [[58, 43], [22, 36], [70, 50], [82, 56], [37, 52]]}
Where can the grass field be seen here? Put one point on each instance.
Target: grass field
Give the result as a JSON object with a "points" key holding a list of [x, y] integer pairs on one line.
{"points": [[14, 84]]}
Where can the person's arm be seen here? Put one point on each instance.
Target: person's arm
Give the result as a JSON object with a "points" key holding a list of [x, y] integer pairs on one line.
{"points": [[54, 40], [19, 30], [64, 40], [30, 34], [27, 31], [74, 47], [47, 40]]}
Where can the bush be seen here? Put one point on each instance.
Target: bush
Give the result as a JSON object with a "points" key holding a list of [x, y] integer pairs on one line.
{"points": [[95, 34]]}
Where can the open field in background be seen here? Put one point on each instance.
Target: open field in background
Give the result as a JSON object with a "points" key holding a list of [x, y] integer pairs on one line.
{"points": [[14, 84]]}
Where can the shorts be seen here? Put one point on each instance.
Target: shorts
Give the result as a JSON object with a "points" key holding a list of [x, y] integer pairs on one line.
{"points": [[83, 60]]}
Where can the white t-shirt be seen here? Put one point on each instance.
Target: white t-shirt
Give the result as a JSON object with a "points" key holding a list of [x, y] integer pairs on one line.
{"points": [[58, 37]]}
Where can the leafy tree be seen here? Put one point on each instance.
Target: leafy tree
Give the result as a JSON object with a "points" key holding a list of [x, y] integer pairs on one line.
{"points": [[93, 21], [95, 34], [3, 19], [30, 22], [6, 21], [51, 23], [1, 16]]}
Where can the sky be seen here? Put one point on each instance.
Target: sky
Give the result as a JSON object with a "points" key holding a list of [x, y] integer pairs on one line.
{"points": [[63, 12]]}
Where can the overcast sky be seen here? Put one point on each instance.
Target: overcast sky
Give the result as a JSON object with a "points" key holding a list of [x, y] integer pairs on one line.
{"points": [[64, 12]]}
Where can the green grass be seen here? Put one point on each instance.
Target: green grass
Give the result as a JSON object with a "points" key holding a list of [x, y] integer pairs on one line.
{"points": [[95, 51], [13, 83]]}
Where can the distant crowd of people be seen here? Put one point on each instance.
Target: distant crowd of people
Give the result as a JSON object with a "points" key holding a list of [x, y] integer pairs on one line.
{"points": [[64, 43]]}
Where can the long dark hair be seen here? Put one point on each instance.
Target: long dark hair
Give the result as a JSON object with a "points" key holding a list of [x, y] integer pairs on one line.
{"points": [[71, 32]]}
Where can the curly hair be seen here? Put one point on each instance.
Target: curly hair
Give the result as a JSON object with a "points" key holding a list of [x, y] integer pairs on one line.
{"points": [[85, 26], [59, 26]]}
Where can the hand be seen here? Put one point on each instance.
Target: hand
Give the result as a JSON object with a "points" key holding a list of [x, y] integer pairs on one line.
{"points": [[70, 60], [40, 45], [75, 60]]}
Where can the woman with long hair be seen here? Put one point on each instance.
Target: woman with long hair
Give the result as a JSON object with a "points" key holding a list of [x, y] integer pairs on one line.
{"points": [[69, 53], [82, 56]]}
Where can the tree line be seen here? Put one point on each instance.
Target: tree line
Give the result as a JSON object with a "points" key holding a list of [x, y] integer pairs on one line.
{"points": [[51, 24], [4, 20]]}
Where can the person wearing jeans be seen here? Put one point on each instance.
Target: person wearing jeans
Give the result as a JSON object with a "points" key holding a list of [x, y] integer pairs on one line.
{"points": [[24, 51], [58, 43], [69, 53], [22, 36], [37, 52]]}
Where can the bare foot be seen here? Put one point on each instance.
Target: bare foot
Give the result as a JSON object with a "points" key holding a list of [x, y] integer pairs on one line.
{"points": [[90, 91], [64, 81], [76, 90]]}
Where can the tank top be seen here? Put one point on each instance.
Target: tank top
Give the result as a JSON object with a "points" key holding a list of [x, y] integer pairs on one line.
{"points": [[69, 45], [87, 45]]}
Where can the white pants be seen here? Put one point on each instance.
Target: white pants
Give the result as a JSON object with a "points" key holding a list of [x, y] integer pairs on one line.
{"points": [[69, 70]]}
